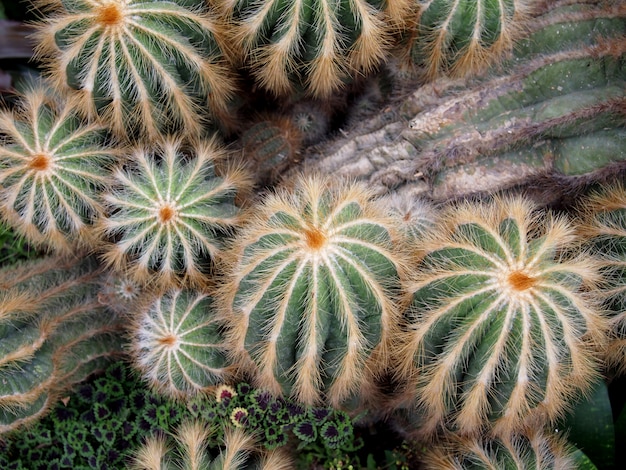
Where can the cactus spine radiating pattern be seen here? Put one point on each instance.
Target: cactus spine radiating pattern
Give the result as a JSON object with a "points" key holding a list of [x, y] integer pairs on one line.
{"points": [[312, 290], [53, 334], [178, 344], [499, 328], [605, 230], [144, 67], [168, 211], [462, 37], [315, 44], [52, 168]]}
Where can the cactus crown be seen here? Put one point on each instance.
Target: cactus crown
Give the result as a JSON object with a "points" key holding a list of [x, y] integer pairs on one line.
{"points": [[500, 328], [312, 289]]}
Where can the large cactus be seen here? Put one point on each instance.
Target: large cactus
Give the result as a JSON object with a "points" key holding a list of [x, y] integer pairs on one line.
{"points": [[500, 328], [550, 114], [52, 167], [317, 45], [144, 67], [53, 334], [169, 210], [312, 290], [178, 344]]}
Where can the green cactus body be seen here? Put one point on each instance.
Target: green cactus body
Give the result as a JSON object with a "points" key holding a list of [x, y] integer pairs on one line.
{"points": [[604, 229], [534, 449], [53, 334], [462, 37], [315, 44], [52, 168], [178, 344], [144, 67], [168, 212], [312, 291], [499, 329], [189, 448]]}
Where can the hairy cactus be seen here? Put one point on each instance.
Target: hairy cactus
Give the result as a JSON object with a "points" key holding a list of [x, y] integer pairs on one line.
{"points": [[312, 289], [178, 344], [461, 38], [190, 451], [53, 334], [604, 229], [52, 167], [533, 449], [500, 328], [144, 67], [168, 212], [316, 45]]}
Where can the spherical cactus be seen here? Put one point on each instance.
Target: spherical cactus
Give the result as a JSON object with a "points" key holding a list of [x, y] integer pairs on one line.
{"points": [[604, 228], [190, 449], [534, 449], [168, 212], [501, 327], [144, 67], [316, 45], [177, 343], [464, 37], [52, 169], [53, 334], [312, 291]]}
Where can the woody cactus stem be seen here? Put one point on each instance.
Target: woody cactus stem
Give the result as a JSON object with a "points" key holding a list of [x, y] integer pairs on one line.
{"points": [[312, 290], [144, 67], [605, 231], [168, 212], [52, 168], [53, 334], [555, 110], [463, 37], [315, 44], [500, 329], [178, 344]]}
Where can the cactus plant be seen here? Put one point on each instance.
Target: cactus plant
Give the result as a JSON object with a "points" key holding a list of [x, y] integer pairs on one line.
{"points": [[501, 328], [604, 228], [191, 451], [168, 212], [462, 38], [312, 291], [52, 168], [533, 449], [178, 344], [145, 68], [53, 333], [317, 45]]}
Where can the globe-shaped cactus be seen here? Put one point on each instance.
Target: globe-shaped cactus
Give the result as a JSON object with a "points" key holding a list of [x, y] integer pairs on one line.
{"points": [[53, 166], [144, 67], [169, 211], [178, 344], [312, 291], [501, 328], [314, 45]]}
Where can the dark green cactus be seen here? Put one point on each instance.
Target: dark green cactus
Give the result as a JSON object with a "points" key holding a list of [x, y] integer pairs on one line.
{"points": [[53, 334]]}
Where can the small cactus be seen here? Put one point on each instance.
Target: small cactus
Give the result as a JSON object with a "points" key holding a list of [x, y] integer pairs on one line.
{"points": [[145, 68], [53, 334], [190, 450], [500, 328], [604, 228], [314, 45], [312, 291], [178, 345], [461, 38], [168, 212], [53, 166], [531, 450]]}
